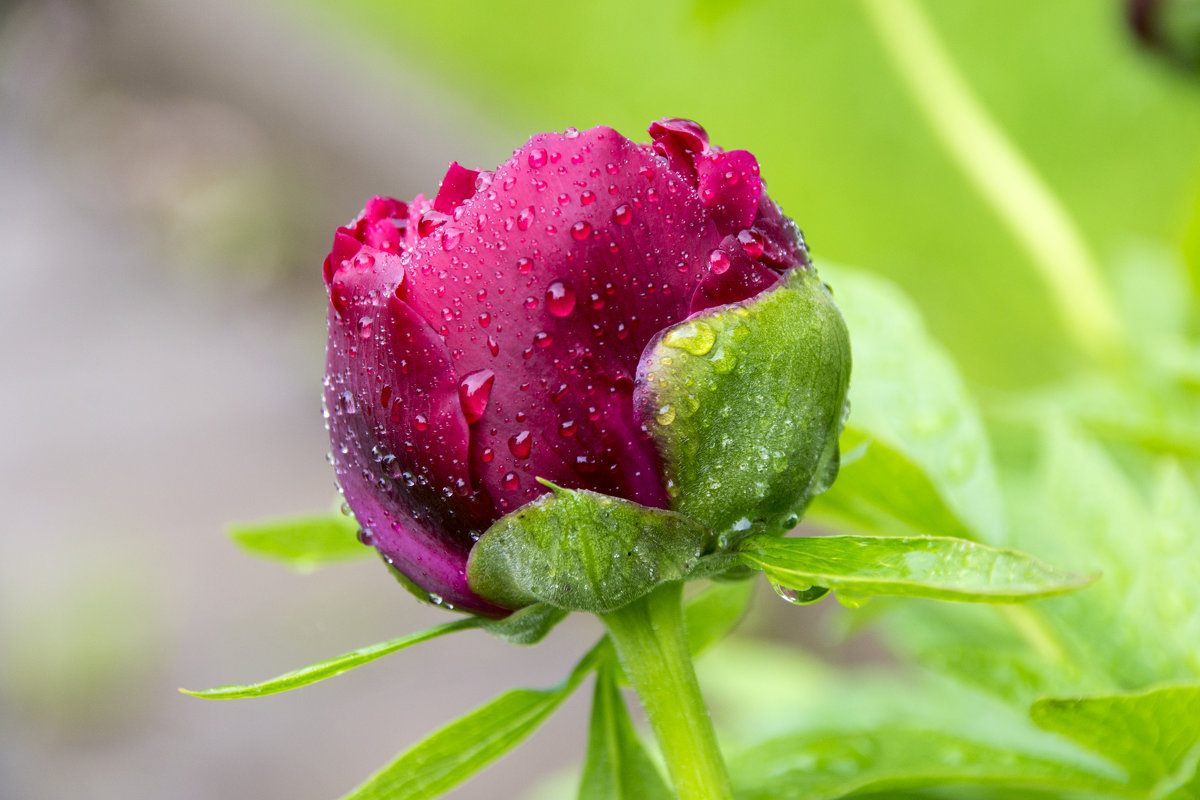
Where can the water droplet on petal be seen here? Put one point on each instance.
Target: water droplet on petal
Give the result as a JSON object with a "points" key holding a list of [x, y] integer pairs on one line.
{"points": [[420, 422], [622, 214], [524, 265], [587, 198], [568, 428], [521, 444], [752, 242], [718, 262], [581, 230], [473, 393], [543, 339], [560, 299], [525, 218], [537, 158], [511, 482]]}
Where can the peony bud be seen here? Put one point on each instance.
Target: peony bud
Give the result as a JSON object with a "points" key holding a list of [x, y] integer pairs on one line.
{"points": [[498, 335]]}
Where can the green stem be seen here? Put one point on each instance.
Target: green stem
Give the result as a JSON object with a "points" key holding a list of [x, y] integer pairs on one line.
{"points": [[1002, 175], [649, 635]]}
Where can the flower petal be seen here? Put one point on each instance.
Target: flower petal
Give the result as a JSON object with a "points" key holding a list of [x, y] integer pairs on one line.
{"points": [[399, 436]]}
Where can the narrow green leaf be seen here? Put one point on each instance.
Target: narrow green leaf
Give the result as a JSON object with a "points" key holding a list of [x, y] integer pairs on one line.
{"points": [[583, 551], [909, 401], [333, 666], [715, 612], [1154, 734], [943, 569], [617, 766], [452, 754], [823, 766], [302, 543]]}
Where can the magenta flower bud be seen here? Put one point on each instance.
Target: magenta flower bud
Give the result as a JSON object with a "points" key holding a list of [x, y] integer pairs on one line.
{"points": [[492, 336]]}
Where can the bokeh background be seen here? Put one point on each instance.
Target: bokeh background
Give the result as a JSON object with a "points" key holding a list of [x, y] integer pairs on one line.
{"points": [[171, 173]]}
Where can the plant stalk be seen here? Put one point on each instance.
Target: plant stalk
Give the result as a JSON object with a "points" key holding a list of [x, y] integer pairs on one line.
{"points": [[650, 638], [1002, 175]]}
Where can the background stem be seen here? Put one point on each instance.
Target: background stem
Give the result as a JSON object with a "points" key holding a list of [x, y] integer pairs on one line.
{"points": [[650, 639], [1001, 174]]}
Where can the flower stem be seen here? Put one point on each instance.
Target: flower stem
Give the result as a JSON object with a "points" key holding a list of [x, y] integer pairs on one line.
{"points": [[1001, 174], [650, 639]]}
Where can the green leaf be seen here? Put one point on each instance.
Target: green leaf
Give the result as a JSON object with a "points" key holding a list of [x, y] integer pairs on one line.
{"points": [[943, 569], [745, 402], [1139, 625], [921, 427], [583, 551], [1154, 735], [333, 666], [617, 766], [879, 490], [823, 766], [715, 612], [302, 543], [452, 754]]}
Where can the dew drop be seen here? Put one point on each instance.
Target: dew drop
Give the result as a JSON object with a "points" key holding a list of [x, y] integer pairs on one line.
{"points": [[511, 482], [560, 299], [694, 337], [451, 239], [665, 415], [524, 265], [543, 339], [537, 158], [420, 422], [525, 218], [487, 455], [484, 319], [521, 444], [581, 230], [718, 262], [587, 198], [622, 214], [364, 327], [493, 345], [752, 242], [474, 391], [568, 428], [800, 597]]}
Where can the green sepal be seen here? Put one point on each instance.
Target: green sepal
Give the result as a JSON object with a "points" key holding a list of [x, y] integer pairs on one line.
{"points": [[745, 402], [529, 625], [860, 567], [583, 551]]}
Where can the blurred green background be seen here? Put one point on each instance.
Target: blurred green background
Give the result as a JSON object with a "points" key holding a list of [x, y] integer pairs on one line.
{"points": [[173, 172]]}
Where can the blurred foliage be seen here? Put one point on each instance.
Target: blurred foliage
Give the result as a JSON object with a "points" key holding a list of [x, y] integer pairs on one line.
{"points": [[807, 88]]}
